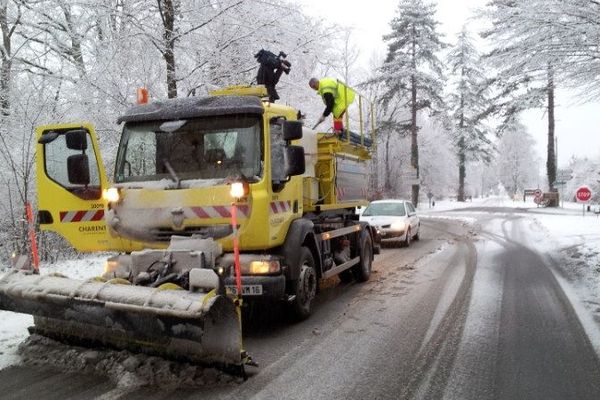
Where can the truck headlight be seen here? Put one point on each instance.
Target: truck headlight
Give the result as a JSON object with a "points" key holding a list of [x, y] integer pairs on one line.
{"points": [[112, 195], [262, 267], [239, 190]]}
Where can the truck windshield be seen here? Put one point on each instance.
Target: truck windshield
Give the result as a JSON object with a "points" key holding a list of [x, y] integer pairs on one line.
{"points": [[201, 149]]}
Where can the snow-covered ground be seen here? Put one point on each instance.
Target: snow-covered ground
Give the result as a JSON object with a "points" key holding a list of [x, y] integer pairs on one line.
{"points": [[13, 326], [567, 235]]}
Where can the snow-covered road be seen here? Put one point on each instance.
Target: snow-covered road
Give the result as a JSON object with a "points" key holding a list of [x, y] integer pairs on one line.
{"points": [[498, 300]]}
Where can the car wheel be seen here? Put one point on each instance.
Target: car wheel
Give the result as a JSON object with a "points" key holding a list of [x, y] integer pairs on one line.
{"points": [[362, 270], [418, 234], [305, 288], [406, 242]]}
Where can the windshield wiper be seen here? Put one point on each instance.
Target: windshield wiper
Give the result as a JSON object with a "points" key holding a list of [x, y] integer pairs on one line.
{"points": [[172, 173]]}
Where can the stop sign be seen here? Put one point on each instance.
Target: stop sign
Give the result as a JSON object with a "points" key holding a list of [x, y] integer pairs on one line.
{"points": [[583, 194]]}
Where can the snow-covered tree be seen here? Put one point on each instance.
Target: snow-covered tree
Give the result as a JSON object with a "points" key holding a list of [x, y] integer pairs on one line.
{"points": [[585, 171], [73, 61], [468, 104], [516, 162], [438, 159], [412, 71], [535, 51]]}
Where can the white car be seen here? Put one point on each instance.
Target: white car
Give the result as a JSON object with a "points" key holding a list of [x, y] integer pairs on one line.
{"points": [[393, 219]]}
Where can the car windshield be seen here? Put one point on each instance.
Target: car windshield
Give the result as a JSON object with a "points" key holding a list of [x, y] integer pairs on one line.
{"points": [[390, 209], [200, 148]]}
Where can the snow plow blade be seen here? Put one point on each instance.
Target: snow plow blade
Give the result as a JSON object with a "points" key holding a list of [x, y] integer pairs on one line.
{"points": [[196, 327]]}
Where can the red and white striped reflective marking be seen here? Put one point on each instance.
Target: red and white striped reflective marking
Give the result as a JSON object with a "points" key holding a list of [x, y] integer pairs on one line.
{"points": [[278, 207], [243, 211], [81, 216]]}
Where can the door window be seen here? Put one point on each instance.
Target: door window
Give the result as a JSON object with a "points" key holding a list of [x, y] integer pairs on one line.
{"points": [[56, 158]]}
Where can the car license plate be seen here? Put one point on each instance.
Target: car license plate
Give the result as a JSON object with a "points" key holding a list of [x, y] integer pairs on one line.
{"points": [[247, 290]]}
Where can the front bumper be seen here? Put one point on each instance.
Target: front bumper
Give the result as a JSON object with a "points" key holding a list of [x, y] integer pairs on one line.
{"points": [[387, 233]]}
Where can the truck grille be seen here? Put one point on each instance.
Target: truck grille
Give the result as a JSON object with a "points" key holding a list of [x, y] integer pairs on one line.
{"points": [[205, 231]]}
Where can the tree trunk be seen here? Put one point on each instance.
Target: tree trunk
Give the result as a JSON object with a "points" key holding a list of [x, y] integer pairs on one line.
{"points": [[461, 170], [387, 186], [75, 52], [167, 11], [551, 161], [5, 78], [5, 62], [414, 145]]}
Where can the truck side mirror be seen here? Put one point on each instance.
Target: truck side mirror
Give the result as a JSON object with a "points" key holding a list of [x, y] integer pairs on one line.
{"points": [[294, 160], [78, 169], [292, 130], [77, 139]]}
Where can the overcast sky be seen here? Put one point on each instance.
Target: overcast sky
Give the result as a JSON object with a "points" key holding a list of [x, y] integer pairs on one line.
{"points": [[577, 126]]}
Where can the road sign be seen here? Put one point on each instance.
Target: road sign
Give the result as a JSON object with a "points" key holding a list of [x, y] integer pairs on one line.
{"points": [[564, 175], [538, 199], [529, 192], [583, 194], [537, 192]]}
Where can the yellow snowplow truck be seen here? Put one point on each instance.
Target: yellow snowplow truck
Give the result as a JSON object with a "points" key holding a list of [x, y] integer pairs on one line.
{"points": [[183, 168]]}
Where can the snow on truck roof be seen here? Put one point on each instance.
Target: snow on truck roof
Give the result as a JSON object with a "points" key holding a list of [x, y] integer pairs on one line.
{"points": [[189, 107]]}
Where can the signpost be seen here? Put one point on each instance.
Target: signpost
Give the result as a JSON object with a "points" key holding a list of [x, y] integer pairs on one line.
{"points": [[532, 192], [583, 195], [562, 177]]}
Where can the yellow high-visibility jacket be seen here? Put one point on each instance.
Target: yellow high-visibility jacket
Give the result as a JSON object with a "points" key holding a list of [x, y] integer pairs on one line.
{"points": [[343, 96]]}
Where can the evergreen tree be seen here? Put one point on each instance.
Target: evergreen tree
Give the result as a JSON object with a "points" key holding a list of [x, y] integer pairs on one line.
{"points": [[529, 61], [468, 106], [412, 70]]}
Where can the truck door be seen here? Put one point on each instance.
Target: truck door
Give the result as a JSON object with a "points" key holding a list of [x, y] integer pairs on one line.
{"points": [[70, 180]]}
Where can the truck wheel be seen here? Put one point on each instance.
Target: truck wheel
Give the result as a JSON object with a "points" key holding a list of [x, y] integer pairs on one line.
{"points": [[305, 288], [362, 270]]}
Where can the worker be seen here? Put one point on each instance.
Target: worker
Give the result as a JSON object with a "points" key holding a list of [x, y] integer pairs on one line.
{"points": [[270, 70], [336, 96]]}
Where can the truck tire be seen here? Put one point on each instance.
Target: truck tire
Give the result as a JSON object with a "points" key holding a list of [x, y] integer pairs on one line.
{"points": [[362, 270], [305, 288]]}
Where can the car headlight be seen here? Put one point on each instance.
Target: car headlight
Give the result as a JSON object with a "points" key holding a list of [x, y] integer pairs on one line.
{"points": [[398, 226]]}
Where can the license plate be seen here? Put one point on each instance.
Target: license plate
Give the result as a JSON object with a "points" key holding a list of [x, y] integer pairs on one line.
{"points": [[247, 290]]}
